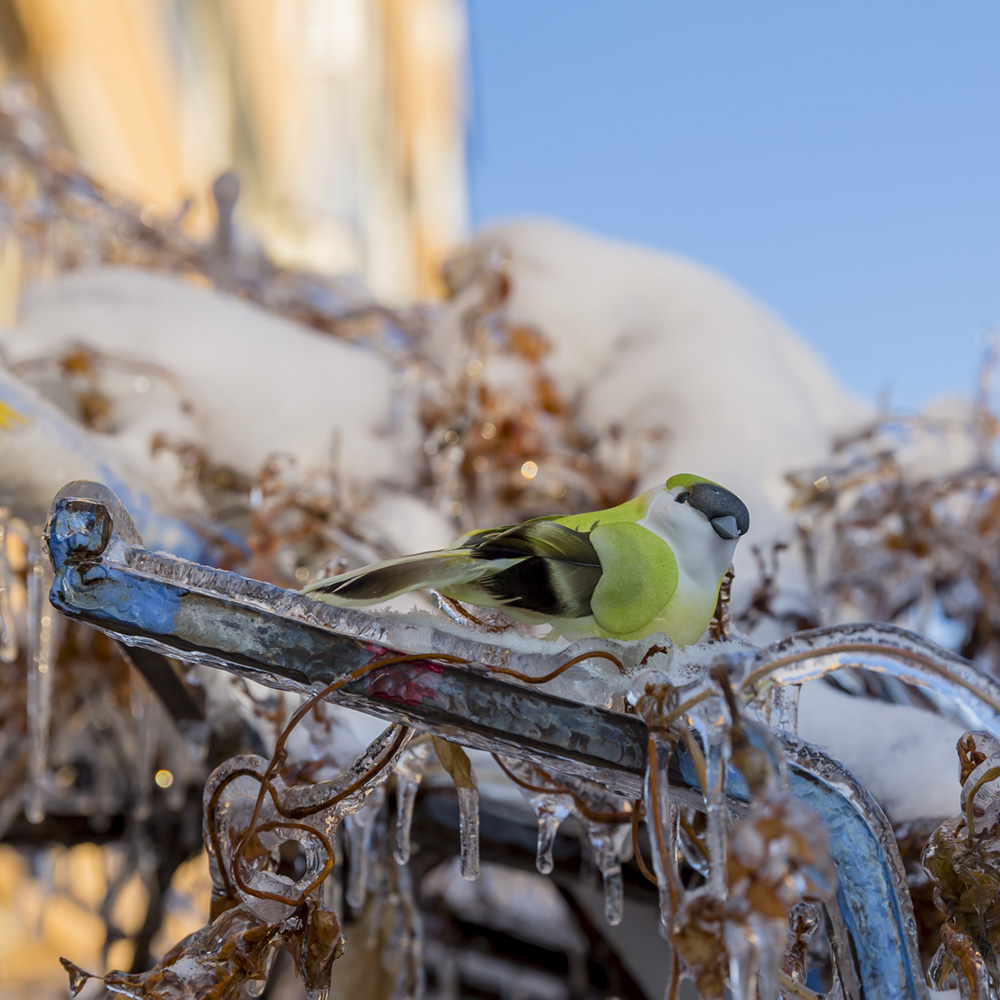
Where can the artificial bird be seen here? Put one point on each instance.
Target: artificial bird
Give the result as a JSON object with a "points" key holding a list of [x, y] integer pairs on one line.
{"points": [[651, 564]]}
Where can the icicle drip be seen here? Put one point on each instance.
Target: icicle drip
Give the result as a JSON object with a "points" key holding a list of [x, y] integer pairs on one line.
{"points": [[255, 987], [742, 974], [8, 635], [550, 808], [610, 842], [332, 891], [780, 707], [360, 828], [711, 724], [468, 821], [144, 726], [658, 824], [614, 896], [548, 828], [411, 979], [448, 975], [409, 771], [41, 627]]}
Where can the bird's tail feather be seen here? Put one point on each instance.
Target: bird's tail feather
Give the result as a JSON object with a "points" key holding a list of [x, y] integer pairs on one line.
{"points": [[385, 580]]}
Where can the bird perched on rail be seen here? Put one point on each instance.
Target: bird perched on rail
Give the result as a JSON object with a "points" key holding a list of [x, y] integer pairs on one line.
{"points": [[651, 564]]}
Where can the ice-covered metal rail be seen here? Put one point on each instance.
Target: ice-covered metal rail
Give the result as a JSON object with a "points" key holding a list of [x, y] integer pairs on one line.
{"points": [[104, 577]]}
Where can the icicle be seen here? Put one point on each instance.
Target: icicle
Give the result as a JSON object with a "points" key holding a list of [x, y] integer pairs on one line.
{"points": [[41, 625], [614, 896], [468, 821], [409, 771], [658, 816], [144, 726], [742, 976], [449, 978], [780, 708], [8, 636], [360, 827], [331, 891], [549, 822], [357, 869], [609, 842], [710, 721], [550, 808], [771, 939], [411, 980], [255, 987]]}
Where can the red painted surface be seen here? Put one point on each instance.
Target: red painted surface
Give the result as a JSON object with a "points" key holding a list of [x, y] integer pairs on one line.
{"points": [[406, 683]]}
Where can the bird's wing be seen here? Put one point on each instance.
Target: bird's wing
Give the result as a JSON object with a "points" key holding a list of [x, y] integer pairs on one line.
{"points": [[639, 578], [382, 581], [540, 566]]}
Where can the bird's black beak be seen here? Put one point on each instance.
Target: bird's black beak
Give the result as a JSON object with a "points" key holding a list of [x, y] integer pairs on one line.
{"points": [[727, 513]]}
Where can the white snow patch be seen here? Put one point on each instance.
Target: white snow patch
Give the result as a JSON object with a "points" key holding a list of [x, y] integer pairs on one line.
{"points": [[904, 756], [259, 384]]}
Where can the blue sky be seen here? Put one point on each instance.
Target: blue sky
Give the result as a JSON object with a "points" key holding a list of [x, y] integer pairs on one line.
{"points": [[839, 160]]}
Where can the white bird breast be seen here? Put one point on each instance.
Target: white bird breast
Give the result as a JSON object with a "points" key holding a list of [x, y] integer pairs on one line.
{"points": [[702, 555]]}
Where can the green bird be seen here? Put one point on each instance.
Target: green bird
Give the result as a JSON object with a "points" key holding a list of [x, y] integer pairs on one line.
{"points": [[651, 564]]}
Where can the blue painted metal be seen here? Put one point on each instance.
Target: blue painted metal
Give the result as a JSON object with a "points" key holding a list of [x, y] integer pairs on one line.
{"points": [[105, 578]]}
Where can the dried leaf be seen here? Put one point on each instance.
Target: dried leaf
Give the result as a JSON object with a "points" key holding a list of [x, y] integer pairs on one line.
{"points": [[456, 762]]}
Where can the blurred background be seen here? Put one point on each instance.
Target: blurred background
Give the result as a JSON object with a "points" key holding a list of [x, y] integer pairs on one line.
{"points": [[763, 143], [344, 119]]}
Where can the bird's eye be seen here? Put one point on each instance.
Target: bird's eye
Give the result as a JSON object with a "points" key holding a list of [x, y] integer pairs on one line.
{"points": [[682, 497]]}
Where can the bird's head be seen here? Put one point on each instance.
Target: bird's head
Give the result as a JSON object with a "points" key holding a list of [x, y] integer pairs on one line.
{"points": [[698, 518], [725, 511]]}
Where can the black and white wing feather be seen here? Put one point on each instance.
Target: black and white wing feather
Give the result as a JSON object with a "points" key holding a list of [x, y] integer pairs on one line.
{"points": [[541, 566]]}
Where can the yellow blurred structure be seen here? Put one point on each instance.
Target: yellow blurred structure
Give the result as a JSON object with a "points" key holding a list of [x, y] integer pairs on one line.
{"points": [[344, 119]]}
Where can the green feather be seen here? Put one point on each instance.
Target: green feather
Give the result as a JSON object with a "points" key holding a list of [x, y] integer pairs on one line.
{"points": [[640, 576]]}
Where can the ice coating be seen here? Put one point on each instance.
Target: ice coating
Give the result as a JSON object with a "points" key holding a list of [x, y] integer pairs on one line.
{"points": [[779, 708], [710, 722], [660, 829], [309, 815], [594, 680], [980, 796], [959, 691]]}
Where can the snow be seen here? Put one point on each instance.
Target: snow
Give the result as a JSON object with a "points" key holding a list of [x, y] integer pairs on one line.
{"points": [[904, 756], [258, 384]]}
